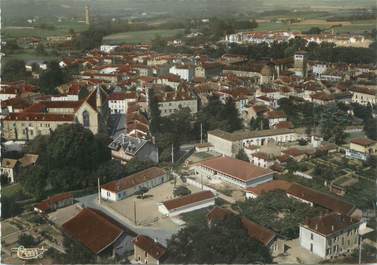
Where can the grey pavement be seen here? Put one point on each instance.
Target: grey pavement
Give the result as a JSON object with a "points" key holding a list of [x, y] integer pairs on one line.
{"points": [[162, 235]]}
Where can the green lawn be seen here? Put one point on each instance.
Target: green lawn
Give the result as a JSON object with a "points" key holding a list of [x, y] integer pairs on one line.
{"points": [[11, 190], [139, 36]]}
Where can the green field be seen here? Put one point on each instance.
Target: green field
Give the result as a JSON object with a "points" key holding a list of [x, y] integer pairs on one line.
{"points": [[139, 36], [61, 28], [27, 55], [355, 26]]}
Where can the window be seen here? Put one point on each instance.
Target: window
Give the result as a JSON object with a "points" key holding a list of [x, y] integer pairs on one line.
{"points": [[85, 118]]}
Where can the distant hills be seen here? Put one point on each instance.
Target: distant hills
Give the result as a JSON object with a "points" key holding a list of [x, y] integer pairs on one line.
{"points": [[15, 10]]}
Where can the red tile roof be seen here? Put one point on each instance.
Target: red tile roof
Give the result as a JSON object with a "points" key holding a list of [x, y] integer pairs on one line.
{"points": [[330, 223], [275, 115], [93, 229], [188, 199], [284, 125], [153, 248], [322, 199], [258, 232], [270, 186], [235, 168], [254, 230], [293, 152], [134, 179], [46, 205], [218, 213], [363, 141]]}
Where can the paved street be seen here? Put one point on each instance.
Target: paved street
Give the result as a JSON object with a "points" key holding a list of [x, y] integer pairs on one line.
{"points": [[160, 234]]}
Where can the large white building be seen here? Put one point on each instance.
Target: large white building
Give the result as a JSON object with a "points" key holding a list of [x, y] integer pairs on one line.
{"points": [[119, 189], [364, 96], [234, 171], [330, 235], [229, 144], [185, 72], [118, 102]]}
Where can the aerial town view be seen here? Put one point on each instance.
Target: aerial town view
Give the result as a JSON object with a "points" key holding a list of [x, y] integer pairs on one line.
{"points": [[188, 131]]}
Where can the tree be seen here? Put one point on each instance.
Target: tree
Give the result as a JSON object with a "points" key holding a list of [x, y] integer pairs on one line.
{"points": [[241, 155], [158, 43], [89, 39], [26, 240], [110, 170], [34, 181], [9, 206], [217, 115], [4, 180], [370, 128], [292, 165], [69, 160], [259, 123], [75, 253], [313, 30], [40, 49], [14, 70], [83, 93], [231, 115], [137, 165], [53, 77], [154, 112], [223, 242], [181, 191], [38, 144], [333, 122], [278, 212]]}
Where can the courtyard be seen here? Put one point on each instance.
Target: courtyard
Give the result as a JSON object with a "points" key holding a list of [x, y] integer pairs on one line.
{"points": [[146, 209]]}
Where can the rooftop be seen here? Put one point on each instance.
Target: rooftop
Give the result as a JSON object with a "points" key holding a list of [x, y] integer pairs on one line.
{"points": [[235, 168], [130, 145], [46, 205], [93, 229], [270, 186], [188, 199], [153, 248], [245, 134], [322, 199], [134, 179], [363, 141], [330, 223]]}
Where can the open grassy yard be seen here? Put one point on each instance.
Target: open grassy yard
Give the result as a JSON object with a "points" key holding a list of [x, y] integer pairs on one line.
{"points": [[139, 36], [11, 190]]}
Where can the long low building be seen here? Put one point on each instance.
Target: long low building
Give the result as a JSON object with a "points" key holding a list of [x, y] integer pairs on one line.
{"points": [[119, 189], [305, 195], [187, 203], [234, 171], [230, 144]]}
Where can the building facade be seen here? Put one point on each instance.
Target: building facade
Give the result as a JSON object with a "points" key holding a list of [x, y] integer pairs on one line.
{"points": [[330, 236]]}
